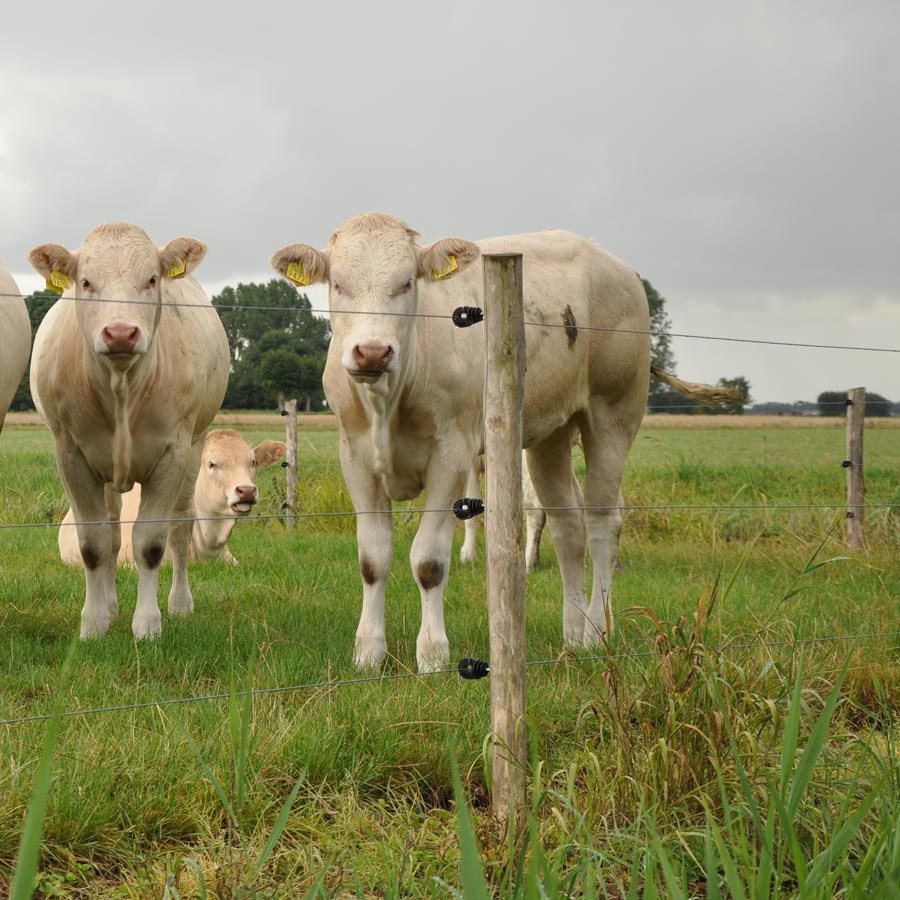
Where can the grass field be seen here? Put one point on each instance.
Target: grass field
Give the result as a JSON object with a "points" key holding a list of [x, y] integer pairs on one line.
{"points": [[692, 760]]}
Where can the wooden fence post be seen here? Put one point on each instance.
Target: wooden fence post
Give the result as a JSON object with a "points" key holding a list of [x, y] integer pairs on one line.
{"points": [[504, 380], [290, 427], [856, 489]]}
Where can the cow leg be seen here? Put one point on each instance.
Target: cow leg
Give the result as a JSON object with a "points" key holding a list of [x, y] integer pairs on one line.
{"points": [[375, 549], [114, 513], [535, 519], [550, 467], [606, 444], [430, 555], [159, 495], [181, 600], [467, 552], [86, 495]]}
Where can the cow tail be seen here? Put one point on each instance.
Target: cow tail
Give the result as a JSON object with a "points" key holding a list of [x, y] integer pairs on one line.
{"points": [[703, 393]]}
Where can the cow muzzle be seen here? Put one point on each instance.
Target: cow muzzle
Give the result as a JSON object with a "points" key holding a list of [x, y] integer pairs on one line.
{"points": [[121, 340], [371, 359], [244, 497]]}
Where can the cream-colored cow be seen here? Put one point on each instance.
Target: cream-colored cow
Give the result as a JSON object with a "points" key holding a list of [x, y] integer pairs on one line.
{"points": [[224, 492], [129, 368], [15, 340], [408, 395]]}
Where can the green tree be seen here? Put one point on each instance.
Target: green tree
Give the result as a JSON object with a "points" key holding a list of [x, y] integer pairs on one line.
{"points": [[38, 306], [278, 345], [662, 399], [834, 403]]}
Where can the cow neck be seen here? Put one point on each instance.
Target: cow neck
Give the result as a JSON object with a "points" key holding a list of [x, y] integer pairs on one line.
{"points": [[383, 406], [124, 387]]}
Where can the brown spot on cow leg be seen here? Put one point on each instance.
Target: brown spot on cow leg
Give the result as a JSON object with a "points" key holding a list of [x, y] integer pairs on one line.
{"points": [[367, 570], [430, 574], [90, 557], [571, 326], [153, 555]]}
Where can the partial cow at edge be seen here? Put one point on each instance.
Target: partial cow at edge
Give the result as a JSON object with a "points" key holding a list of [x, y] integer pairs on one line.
{"points": [[129, 368], [407, 388], [225, 491], [15, 341]]}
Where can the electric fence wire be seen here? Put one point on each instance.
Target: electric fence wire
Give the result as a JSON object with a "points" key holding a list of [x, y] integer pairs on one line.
{"points": [[563, 659]]}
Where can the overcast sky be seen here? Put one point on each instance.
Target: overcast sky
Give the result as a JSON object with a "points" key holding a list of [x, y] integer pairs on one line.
{"points": [[743, 157]]}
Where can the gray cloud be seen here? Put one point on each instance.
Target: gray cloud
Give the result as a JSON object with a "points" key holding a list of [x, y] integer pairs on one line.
{"points": [[742, 158]]}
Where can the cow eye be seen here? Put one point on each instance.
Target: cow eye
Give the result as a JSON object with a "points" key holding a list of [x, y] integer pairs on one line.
{"points": [[336, 287], [86, 285], [406, 287], [151, 283], [210, 465]]}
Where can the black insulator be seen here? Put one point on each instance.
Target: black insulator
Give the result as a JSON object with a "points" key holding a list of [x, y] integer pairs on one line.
{"points": [[471, 669], [284, 465], [464, 316], [284, 412], [468, 508], [846, 463], [285, 505], [848, 402]]}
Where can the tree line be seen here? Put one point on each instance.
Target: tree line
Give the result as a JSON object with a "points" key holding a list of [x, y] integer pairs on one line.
{"points": [[279, 345]]}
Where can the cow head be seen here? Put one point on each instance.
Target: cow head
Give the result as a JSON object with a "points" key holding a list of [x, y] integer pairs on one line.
{"points": [[225, 483], [116, 276], [373, 266]]}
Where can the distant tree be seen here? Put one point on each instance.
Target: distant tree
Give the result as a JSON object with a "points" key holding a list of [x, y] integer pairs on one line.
{"points": [[834, 403], [278, 345], [735, 407], [662, 399], [38, 306]]}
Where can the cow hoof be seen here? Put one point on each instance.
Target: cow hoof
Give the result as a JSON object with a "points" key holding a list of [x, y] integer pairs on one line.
{"points": [[144, 627], [181, 606], [369, 654], [433, 658], [467, 556], [93, 627]]}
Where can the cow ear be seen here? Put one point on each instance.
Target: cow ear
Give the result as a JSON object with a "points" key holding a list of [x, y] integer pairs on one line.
{"points": [[446, 257], [269, 452], [50, 258], [301, 264], [181, 256]]}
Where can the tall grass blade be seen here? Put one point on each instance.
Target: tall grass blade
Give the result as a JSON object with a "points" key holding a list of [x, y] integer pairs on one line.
{"points": [[474, 886], [24, 876]]}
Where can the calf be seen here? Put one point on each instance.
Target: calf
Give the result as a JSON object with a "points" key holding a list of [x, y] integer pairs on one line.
{"points": [[224, 492]]}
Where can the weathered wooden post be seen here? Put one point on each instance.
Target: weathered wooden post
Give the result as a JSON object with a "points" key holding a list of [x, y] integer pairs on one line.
{"points": [[856, 489], [504, 380], [290, 462]]}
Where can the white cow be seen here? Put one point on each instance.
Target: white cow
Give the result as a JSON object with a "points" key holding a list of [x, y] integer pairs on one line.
{"points": [[15, 340], [224, 492], [129, 368], [408, 395]]}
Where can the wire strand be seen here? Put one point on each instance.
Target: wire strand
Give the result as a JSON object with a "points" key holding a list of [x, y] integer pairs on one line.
{"points": [[651, 333], [563, 659]]}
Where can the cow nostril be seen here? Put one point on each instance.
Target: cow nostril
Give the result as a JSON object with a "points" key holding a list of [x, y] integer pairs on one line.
{"points": [[388, 355]]}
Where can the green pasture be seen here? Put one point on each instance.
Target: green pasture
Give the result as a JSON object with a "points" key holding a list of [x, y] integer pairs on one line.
{"points": [[683, 760]]}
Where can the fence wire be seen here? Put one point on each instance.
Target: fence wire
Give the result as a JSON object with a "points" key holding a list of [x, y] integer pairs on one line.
{"points": [[565, 659], [650, 332]]}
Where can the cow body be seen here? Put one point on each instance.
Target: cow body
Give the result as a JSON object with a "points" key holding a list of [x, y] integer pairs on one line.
{"points": [[408, 395], [129, 368], [224, 492], [15, 341]]}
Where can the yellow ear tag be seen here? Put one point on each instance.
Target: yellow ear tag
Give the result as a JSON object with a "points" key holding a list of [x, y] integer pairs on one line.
{"points": [[296, 273], [450, 267], [176, 270], [57, 282]]}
